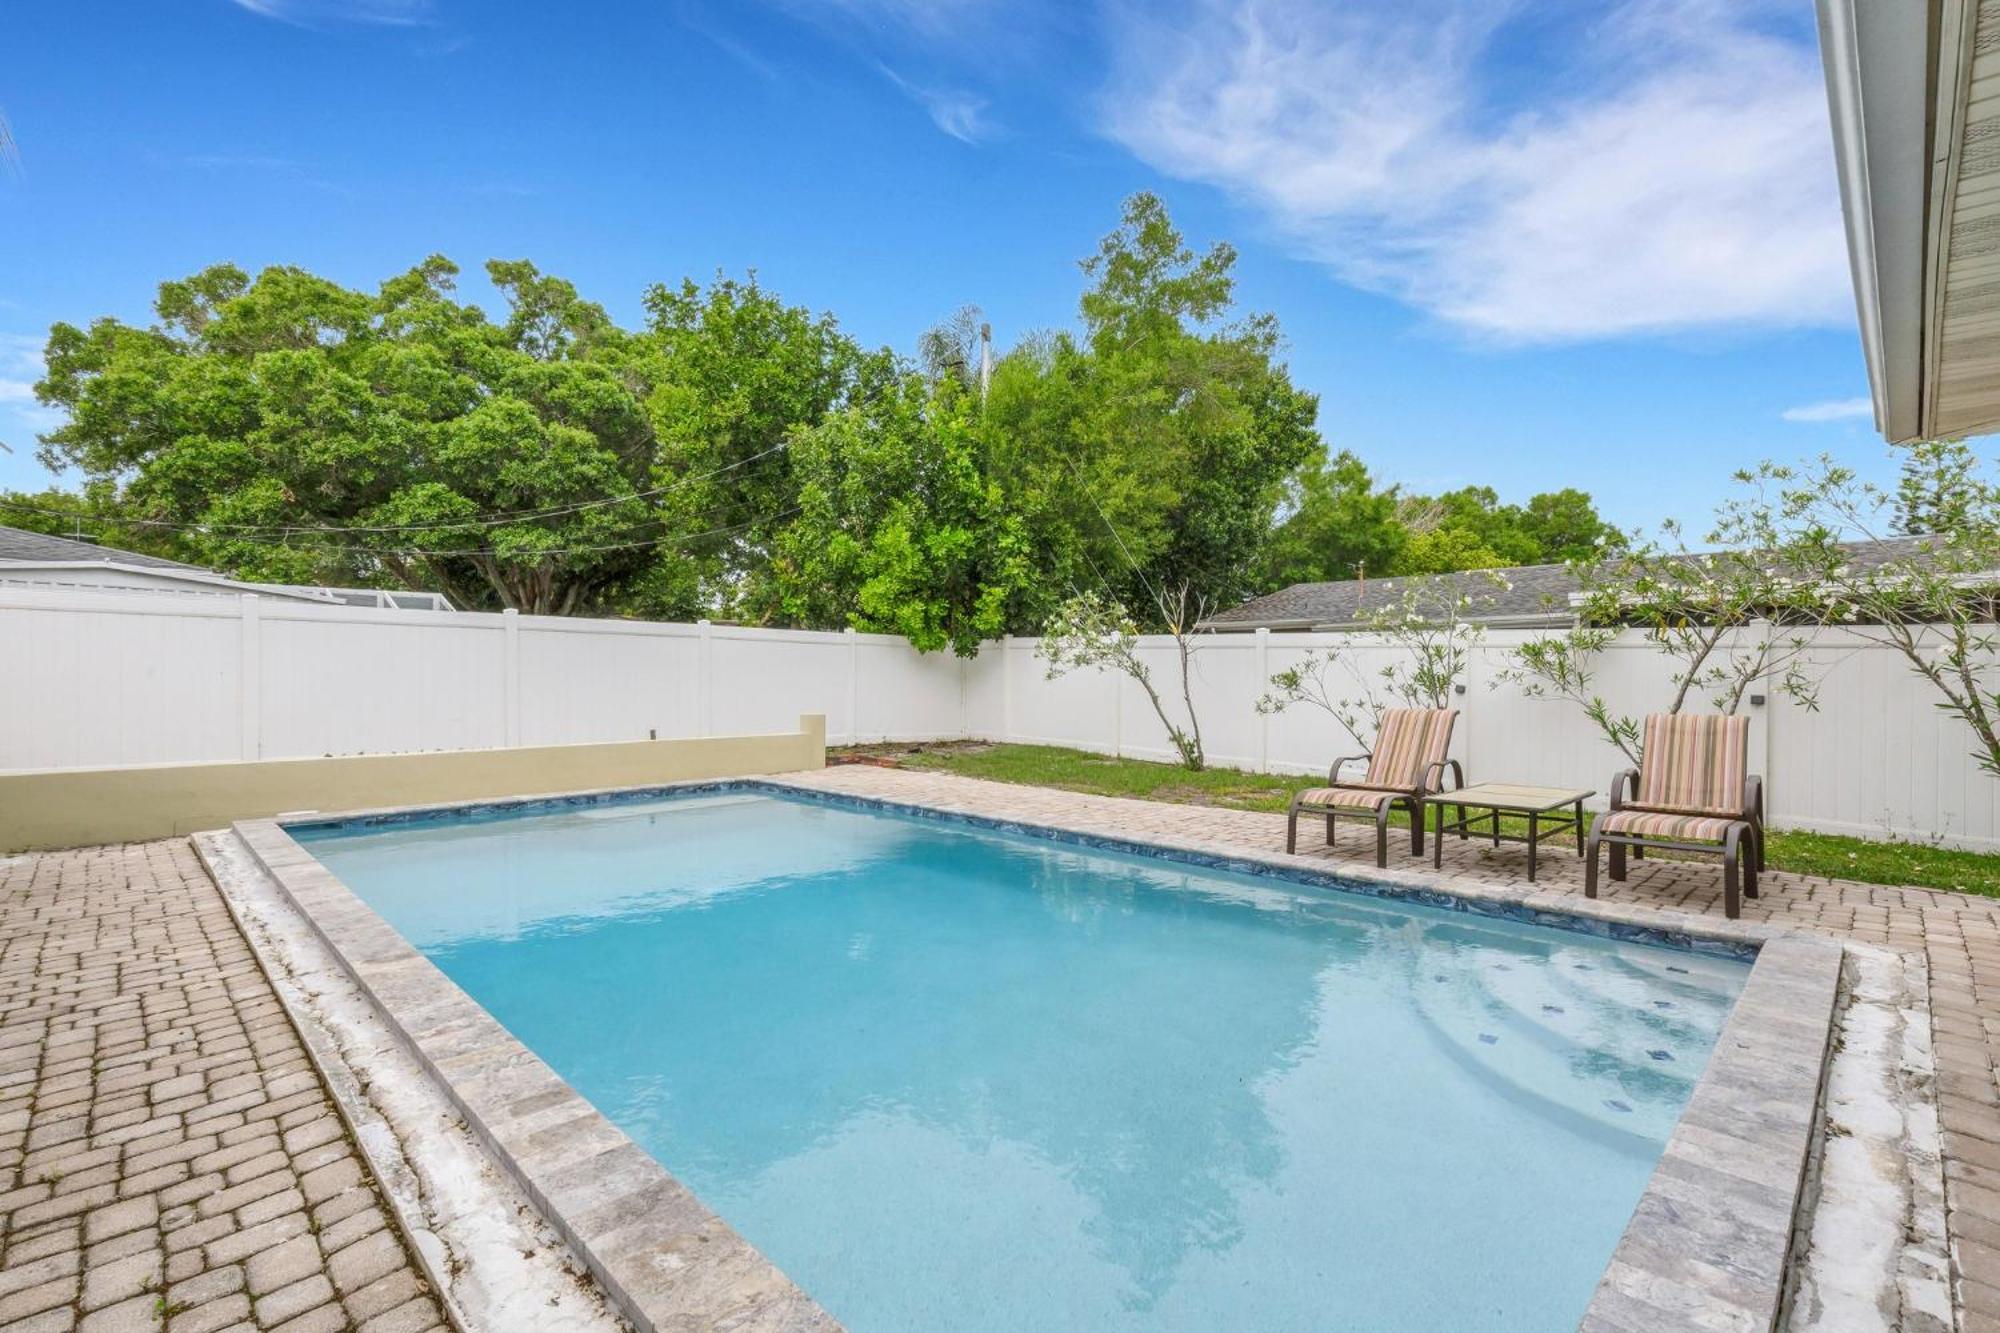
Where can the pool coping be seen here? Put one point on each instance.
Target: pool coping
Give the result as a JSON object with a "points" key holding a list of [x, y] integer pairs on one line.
{"points": [[1708, 1244]]}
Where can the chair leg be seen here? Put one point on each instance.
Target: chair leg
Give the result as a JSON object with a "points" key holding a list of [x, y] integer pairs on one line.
{"points": [[1638, 852], [1292, 830], [1732, 902], [1382, 837], [1416, 827], [1330, 821], [1590, 866], [1618, 860]]}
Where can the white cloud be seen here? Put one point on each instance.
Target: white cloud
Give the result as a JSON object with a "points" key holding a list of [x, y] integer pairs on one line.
{"points": [[391, 13], [21, 355], [1837, 409], [1671, 171], [16, 391], [935, 20], [960, 114]]}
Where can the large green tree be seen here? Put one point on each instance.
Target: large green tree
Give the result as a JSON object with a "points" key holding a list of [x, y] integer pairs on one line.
{"points": [[548, 460], [899, 530], [1338, 525], [1151, 451], [741, 457]]}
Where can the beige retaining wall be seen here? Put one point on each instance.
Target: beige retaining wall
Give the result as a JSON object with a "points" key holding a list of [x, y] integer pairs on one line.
{"points": [[44, 809]]}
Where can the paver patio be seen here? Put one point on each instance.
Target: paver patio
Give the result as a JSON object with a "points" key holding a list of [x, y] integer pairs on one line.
{"points": [[169, 1159]]}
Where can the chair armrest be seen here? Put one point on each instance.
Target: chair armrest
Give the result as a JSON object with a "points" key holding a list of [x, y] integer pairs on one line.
{"points": [[1753, 799], [1438, 770], [1618, 782], [1333, 773]]}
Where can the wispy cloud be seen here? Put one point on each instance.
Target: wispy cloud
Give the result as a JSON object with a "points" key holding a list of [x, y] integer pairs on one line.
{"points": [[21, 417], [1677, 173], [310, 13], [263, 163], [1837, 409], [697, 21], [931, 19], [958, 113], [20, 354], [956, 44]]}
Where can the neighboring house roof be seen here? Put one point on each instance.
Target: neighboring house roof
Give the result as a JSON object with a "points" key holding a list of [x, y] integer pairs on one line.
{"points": [[1531, 592], [20, 545], [1523, 595], [38, 559]]}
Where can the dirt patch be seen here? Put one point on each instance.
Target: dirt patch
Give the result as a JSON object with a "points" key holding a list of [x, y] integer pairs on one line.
{"points": [[891, 754]]}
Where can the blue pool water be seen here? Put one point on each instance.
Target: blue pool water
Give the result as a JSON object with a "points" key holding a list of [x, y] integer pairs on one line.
{"points": [[949, 1078]]}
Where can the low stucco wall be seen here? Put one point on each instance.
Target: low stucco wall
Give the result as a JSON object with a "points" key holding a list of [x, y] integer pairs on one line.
{"points": [[51, 808]]}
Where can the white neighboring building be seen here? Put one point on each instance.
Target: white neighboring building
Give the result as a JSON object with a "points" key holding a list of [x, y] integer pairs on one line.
{"points": [[35, 560]]}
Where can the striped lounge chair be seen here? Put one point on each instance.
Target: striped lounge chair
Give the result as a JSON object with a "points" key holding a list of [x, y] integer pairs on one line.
{"points": [[1692, 792], [1407, 766]]}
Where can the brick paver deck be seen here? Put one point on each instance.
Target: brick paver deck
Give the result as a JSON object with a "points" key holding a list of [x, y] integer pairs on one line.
{"points": [[169, 1160], [1958, 934]]}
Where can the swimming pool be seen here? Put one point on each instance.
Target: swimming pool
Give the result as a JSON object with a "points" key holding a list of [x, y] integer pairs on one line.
{"points": [[953, 1077]]}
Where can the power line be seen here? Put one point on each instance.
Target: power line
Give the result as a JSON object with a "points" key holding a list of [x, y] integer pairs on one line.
{"points": [[1109, 527], [474, 520], [415, 552]]}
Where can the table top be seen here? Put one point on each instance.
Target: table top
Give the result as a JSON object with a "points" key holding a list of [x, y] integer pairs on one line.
{"points": [[1512, 796]]}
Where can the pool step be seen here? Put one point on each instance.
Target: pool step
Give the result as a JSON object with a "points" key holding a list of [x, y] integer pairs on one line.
{"points": [[1543, 1035]]}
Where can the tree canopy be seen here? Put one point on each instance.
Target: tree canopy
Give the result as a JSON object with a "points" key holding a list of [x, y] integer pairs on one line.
{"points": [[736, 456]]}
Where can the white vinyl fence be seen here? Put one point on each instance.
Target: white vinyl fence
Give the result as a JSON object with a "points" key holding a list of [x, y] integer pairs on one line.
{"points": [[90, 679]]}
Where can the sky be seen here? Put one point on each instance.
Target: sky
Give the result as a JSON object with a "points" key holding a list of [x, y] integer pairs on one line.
{"points": [[1590, 243]]}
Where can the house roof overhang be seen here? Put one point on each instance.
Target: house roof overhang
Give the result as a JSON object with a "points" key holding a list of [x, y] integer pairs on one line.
{"points": [[1914, 91]]}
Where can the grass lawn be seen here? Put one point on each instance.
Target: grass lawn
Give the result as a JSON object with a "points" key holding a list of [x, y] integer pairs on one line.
{"points": [[1074, 770]]}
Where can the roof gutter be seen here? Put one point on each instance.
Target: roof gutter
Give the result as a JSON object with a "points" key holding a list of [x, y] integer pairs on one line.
{"points": [[1252, 626], [1884, 100]]}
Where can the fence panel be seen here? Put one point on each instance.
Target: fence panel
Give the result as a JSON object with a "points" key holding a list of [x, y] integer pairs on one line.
{"points": [[92, 678], [117, 680], [614, 682]]}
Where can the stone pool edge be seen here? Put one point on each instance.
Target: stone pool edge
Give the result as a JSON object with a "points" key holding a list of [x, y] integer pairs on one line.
{"points": [[1710, 1237], [663, 1257]]}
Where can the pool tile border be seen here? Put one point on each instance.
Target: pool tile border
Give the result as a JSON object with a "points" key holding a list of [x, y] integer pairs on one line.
{"points": [[1708, 1245], [1607, 919]]}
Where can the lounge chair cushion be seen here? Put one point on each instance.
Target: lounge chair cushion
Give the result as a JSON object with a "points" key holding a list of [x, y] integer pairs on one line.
{"points": [[1349, 798], [1695, 762], [1407, 743], [1666, 824]]}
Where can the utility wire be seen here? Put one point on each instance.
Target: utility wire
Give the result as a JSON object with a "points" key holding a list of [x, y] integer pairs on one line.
{"points": [[447, 552], [1158, 600], [475, 520]]}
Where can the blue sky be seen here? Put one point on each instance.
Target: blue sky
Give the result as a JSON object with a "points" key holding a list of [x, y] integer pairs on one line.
{"points": [[1589, 242]]}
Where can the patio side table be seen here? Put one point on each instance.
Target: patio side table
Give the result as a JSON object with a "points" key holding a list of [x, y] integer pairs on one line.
{"points": [[1488, 801]]}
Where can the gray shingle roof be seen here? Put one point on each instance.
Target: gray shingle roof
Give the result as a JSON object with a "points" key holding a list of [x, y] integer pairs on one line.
{"points": [[1530, 591], [21, 545]]}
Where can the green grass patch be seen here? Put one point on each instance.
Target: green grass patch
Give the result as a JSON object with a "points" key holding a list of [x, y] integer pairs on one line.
{"points": [[1867, 860]]}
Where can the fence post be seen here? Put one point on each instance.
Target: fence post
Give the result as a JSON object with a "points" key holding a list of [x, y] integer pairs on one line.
{"points": [[510, 676], [853, 686], [1263, 719], [250, 690], [1006, 689], [1762, 715], [704, 672]]}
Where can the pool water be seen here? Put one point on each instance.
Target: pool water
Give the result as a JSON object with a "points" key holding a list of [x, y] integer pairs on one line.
{"points": [[949, 1078]]}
